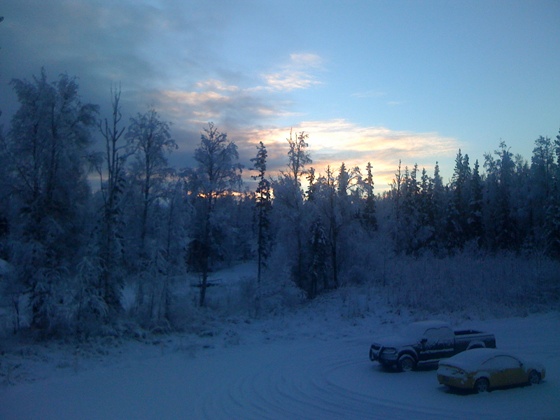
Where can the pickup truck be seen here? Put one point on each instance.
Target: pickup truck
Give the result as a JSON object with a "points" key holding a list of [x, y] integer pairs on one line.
{"points": [[426, 342]]}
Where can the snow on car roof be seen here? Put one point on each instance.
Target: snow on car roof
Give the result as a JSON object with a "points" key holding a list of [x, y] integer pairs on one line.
{"points": [[472, 359]]}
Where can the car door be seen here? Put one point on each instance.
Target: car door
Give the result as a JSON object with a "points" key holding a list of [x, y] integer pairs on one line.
{"points": [[504, 371], [437, 343]]}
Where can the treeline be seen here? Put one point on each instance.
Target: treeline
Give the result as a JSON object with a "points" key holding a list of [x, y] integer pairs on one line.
{"points": [[511, 206], [72, 249]]}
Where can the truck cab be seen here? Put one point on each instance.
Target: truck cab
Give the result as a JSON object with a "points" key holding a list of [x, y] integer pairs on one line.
{"points": [[426, 342]]}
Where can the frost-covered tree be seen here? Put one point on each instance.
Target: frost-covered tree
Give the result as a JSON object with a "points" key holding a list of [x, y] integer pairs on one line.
{"points": [[543, 170], [343, 181], [263, 204], [289, 203], [150, 139], [474, 219], [426, 208], [318, 253], [408, 221], [47, 144], [298, 156], [337, 204], [396, 197], [438, 206], [112, 175], [552, 216], [171, 217], [311, 186], [328, 203], [368, 214], [5, 193], [498, 221], [216, 176], [458, 206]]}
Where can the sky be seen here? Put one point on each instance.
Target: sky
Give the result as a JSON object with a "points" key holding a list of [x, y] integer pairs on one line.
{"points": [[369, 81]]}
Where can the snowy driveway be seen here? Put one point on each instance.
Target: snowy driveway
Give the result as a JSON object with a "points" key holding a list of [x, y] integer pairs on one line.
{"points": [[303, 378]]}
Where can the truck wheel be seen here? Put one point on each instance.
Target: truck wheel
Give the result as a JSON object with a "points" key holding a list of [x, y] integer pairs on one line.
{"points": [[481, 385], [406, 363]]}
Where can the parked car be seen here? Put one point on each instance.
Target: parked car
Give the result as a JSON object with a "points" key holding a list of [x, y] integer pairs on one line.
{"points": [[483, 369], [426, 342]]}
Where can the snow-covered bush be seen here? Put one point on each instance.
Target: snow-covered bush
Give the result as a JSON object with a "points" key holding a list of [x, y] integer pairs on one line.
{"points": [[504, 284], [357, 301]]}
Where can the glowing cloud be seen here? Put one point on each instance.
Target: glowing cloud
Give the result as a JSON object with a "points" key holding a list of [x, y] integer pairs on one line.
{"points": [[335, 141]]}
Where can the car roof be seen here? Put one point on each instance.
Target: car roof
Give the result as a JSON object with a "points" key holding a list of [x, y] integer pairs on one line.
{"points": [[472, 359]]}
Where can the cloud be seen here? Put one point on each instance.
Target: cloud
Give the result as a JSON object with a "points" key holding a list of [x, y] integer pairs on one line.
{"points": [[143, 46], [332, 142], [296, 74], [216, 85], [289, 80], [215, 99]]}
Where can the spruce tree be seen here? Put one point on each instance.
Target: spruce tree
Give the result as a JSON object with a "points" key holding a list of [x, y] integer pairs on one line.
{"points": [[263, 204], [369, 218]]}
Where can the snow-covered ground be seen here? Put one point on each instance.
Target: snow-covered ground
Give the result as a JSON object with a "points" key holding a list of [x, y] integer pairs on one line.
{"points": [[310, 363]]}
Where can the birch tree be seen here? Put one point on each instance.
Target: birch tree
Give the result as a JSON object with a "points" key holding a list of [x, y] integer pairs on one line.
{"points": [[111, 170], [150, 138], [216, 175]]}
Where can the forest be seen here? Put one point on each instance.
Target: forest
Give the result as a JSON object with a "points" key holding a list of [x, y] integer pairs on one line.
{"points": [[82, 221]]}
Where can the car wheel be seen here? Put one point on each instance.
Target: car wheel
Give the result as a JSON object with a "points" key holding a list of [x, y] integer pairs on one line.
{"points": [[481, 385], [406, 363], [534, 377]]}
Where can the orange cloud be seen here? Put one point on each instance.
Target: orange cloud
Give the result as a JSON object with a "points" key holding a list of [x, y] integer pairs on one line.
{"points": [[335, 141]]}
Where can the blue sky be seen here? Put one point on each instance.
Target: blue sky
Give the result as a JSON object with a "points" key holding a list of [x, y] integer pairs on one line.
{"points": [[378, 81]]}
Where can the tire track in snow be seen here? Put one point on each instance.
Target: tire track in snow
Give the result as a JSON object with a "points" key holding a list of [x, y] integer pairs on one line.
{"points": [[309, 378], [319, 382]]}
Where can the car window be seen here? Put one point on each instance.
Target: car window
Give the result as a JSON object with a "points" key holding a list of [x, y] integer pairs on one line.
{"points": [[501, 362]]}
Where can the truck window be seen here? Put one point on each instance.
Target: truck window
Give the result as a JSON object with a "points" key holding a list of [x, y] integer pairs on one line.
{"points": [[439, 336]]}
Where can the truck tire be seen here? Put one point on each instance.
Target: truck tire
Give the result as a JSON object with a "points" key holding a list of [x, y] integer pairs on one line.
{"points": [[406, 363]]}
